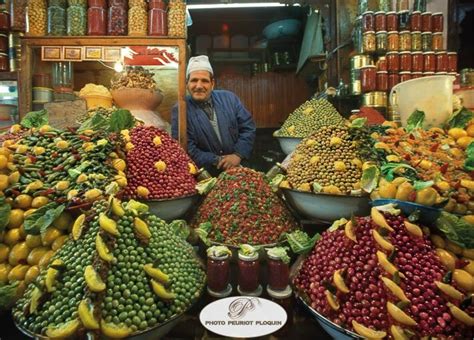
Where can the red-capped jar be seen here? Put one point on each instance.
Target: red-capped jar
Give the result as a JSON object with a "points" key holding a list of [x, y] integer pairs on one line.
{"points": [[368, 78], [429, 61], [393, 41], [249, 269], [368, 21], [392, 21], [452, 62], [97, 17], [404, 76], [405, 61], [441, 61], [405, 41], [415, 21], [157, 18], [415, 75], [437, 41], [393, 79], [381, 64], [437, 22], [380, 21], [417, 61], [393, 61], [382, 81], [426, 22], [403, 20]]}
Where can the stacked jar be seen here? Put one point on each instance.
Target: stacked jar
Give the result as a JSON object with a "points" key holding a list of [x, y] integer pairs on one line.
{"points": [[4, 27], [157, 19], [218, 271], [18, 15], [357, 63], [14, 50], [249, 271], [36, 17], [118, 18], [177, 18], [137, 18], [77, 17], [57, 17], [97, 17], [278, 271]]}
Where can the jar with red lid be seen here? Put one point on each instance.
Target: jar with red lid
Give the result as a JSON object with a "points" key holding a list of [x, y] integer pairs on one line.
{"points": [[404, 76], [417, 61], [380, 21], [4, 62], [382, 81], [96, 18], [437, 42], [437, 22], [278, 269], [405, 41], [392, 21], [368, 78], [157, 19], [4, 21], [381, 42], [403, 20], [381, 64], [249, 271], [218, 271], [452, 61], [441, 61], [117, 20], [415, 75], [416, 43], [393, 61], [368, 21], [426, 22], [369, 42], [429, 62], [415, 21], [426, 41], [393, 79], [392, 41], [3, 43], [405, 61]]}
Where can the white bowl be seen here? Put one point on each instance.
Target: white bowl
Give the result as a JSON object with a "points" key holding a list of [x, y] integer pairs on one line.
{"points": [[326, 207], [173, 208], [288, 144]]}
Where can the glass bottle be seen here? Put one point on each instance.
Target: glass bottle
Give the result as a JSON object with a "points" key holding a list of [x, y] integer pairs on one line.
{"points": [[36, 17], [218, 271], [57, 17], [62, 76], [118, 18], [18, 15], [278, 269], [96, 18], [157, 20], [249, 269], [138, 19]]}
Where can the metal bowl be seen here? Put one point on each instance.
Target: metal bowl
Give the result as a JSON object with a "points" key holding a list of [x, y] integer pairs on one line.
{"points": [[326, 207], [173, 208], [428, 215], [288, 144]]}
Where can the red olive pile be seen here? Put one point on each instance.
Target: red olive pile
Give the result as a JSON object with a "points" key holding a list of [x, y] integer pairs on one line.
{"points": [[381, 276], [157, 166], [242, 208]]}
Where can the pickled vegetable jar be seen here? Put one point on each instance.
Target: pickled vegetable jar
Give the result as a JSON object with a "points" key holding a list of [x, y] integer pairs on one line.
{"points": [[56, 20], [138, 20], [218, 269], [76, 20], [249, 269], [278, 268], [36, 17]]}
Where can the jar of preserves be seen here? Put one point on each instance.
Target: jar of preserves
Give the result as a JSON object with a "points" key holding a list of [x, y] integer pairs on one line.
{"points": [[452, 62], [437, 22], [36, 17], [3, 43], [426, 22], [417, 61], [393, 62], [4, 62], [416, 44], [392, 41], [380, 21], [138, 20], [415, 75], [249, 272], [18, 15], [441, 61], [405, 41], [429, 61], [403, 20], [76, 20], [56, 20], [218, 271], [96, 17], [437, 42], [404, 76], [381, 64], [369, 42], [393, 79], [381, 42], [426, 41], [278, 269], [4, 21], [368, 21], [382, 81], [405, 61], [157, 20], [415, 21], [177, 18], [357, 36], [392, 21], [368, 78], [117, 19]]}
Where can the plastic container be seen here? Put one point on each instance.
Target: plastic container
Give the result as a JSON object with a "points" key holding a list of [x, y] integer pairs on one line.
{"points": [[42, 94]]}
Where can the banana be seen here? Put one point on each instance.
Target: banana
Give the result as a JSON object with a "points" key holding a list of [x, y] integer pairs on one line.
{"points": [[108, 224], [379, 219], [349, 231], [93, 280], [449, 290], [463, 279], [448, 260], [413, 229], [64, 330], [156, 274], [398, 333], [161, 291], [86, 314], [77, 227], [387, 265], [117, 207], [104, 252], [381, 241], [395, 289], [332, 300], [400, 315], [141, 227], [461, 315], [367, 332], [339, 282]]}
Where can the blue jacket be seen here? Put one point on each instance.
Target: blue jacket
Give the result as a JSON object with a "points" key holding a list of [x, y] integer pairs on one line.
{"points": [[236, 127]]}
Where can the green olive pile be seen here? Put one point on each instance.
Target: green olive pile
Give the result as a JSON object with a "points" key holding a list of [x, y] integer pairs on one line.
{"points": [[309, 117], [106, 112], [134, 273], [327, 160]]}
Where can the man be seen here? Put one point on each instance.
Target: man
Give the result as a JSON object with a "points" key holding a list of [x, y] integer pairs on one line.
{"points": [[220, 130]]}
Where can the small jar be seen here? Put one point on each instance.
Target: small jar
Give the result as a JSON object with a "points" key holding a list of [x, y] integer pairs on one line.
{"points": [[393, 79], [392, 41], [415, 21], [426, 22], [157, 20], [218, 271], [441, 61], [404, 76], [393, 62], [429, 62], [380, 21], [3, 43], [368, 21], [369, 42], [248, 277], [36, 17], [382, 81], [437, 43], [452, 62], [415, 75], [357, 36], [403, 20], [419, 5], [18, 15], [405, 41], [278, 273], [117, 19], [416, 41], [4, 21], [405, 61], [4, 62], [56, 20], [437, 22], [426, 41], [381, 64], [97, 18], [76, 20], [138, 20], [368, 78], [417, 61], [381, 42], [392, 21]]}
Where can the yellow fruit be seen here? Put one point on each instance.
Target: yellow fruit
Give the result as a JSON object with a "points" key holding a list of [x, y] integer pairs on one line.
{"points": [[4, 271], [142, 191], [77, 227], [117, 207], [399, 180], [453, 247], [334, 141], [35, 185], [5, 151], [44, 261], [400, 315], [92, 194], [468, 253], [14, 177], [470, 267], [357, 162], [426, 196], [156, 274], [448, 260], [22, 201], [461, 315], [32, 274], [64, 330], [160, 166], [161, 291], [387, 265], [21, 149], [12, 237], [332, 300], [62, 144], [81, 178], [3, 182], [470, 130], [33, 241], [63, 222], [304, 187], [438, 241], [404, 191], [93, 280], [4, 250], [59, 242], [141, 228], [119, 164], [22, 231], [443, 185], [19, 253], [39, 201], [398, 333], [395, 289], [382, 146], [129, 146], [469, 219], [35, 255], [449, 290], [382, 242], [413, 229], [3, 162], [463, 279], [388, 191], [121, 181], [114, 331], [457, 133], [86, 314], [29, 212], [314, 160], [48, 237], [339, 281], [192, 169], [157, 140], [38, 150], [108, 225], [379, 219], [18, 272], [366, 332], [468, 184], [104, 252], [463, 142], [16, 218], [349, 231], [51, 275], [393, 158], [62, 185], [35, 299]]}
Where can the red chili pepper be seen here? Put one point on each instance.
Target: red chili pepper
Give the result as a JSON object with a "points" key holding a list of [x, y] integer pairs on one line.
{"points": [[58, 168], [407, 157], [434, 147], [54, 154], [77, 156], [32, 159], [84, 138], [444, 168]]}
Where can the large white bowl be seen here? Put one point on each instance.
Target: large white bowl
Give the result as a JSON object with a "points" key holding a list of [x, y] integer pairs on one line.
{"points": [[171, 209], [282, 28], [326, 207], [288, 144]]}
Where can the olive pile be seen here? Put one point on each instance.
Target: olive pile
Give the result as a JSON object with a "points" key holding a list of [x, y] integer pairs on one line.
{"points": [[329, 158], [106, 112], [134, 77], [309, 117], [134, 273]]}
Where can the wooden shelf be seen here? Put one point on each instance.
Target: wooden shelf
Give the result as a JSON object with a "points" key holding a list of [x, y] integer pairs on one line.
{"points": [[9, 75]]}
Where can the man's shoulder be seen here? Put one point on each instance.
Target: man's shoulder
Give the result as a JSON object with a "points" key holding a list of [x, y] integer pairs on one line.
{"points": [[224, 94]]}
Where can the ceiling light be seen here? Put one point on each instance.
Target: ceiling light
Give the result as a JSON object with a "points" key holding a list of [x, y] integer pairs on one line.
{"points": [[239, 5]]}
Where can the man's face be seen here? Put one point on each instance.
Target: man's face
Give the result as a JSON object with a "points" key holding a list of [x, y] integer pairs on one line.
{"points": [[200, 85]]}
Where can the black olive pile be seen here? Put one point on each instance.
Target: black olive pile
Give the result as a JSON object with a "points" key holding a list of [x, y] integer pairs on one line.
{"points": [[309, 117]]}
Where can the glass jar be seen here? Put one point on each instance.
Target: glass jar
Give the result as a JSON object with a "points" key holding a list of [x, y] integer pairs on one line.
{"points": [[416, 44], [429, 61], [76, 20], [441, 61], [36, 17], [62, 76], [393, 79], [369, 42], [3, 43], [18, 15], [426, 41], [417, 61], [357, 36], [218, 273], [393, 62], [437, 22], [392, 21], [404, 76], [368, 22], [437, 42], [278, 273], [426, 22], [405, 41], [415, 21], [403, 20], [405, 61], [177, 18], [4, 62], [56, 20], [381, 64], [138, 20], [380, 21], [117, 20], [381, 42], [402, 5], [96, 17], [362, 6], [392, 41], [428, 74], [452, 62], [157, 20], [4, 21], [385, 5], [248, 277], [419, 5], [382, 81]]}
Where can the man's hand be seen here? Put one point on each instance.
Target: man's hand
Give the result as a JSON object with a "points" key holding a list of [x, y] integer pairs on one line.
{"points": [[229, 161]]}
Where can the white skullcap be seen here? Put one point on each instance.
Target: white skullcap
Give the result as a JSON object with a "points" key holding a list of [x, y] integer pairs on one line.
{"points": [[199, 63]]}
